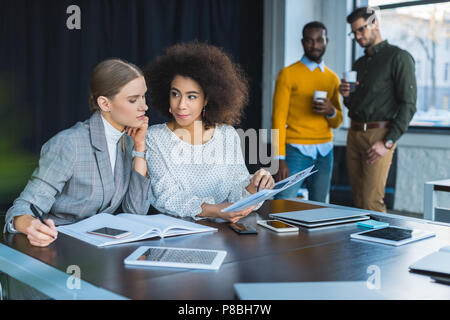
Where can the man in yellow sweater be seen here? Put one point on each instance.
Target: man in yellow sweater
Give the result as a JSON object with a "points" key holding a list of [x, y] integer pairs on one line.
{"points": [[304, 125]]}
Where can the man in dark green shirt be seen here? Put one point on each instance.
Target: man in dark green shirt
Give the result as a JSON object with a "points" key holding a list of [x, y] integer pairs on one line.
{"points": [[381, 108]]}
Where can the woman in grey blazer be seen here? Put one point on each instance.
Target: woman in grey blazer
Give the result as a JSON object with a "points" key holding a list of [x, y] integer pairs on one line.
{"points": [[94, 166]]}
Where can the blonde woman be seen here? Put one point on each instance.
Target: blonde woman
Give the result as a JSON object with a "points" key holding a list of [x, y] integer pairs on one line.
{"points": [[89, 168]]}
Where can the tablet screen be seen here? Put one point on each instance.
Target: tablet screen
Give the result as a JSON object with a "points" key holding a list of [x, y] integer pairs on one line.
{"points": [[178, 256], [389, 233]]}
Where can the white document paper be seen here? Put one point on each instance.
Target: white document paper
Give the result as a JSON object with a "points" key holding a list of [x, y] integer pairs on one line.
{"points": [[266, 194]]}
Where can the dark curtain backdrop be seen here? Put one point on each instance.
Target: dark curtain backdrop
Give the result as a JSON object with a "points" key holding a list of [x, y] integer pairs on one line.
{"points": [[45, 67]]}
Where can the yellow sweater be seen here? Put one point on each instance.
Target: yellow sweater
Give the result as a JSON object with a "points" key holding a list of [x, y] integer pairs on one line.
{"points": [[292, 113]]}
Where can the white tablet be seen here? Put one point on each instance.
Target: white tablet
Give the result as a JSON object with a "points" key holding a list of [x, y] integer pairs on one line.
{"points": [[176, 258], [394, 236]]}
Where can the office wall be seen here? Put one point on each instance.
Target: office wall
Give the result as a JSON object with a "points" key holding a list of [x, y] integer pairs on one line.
{"points": [[332, 13], [415, 167], [298, 13]]}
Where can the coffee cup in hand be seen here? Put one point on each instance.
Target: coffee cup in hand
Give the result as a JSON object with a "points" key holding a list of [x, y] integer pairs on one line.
{"points": [[319, 95], [350, 77]]}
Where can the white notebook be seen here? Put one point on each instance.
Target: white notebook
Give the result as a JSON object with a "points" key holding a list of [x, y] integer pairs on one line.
{"points": [[436, 262], [140, 227]]}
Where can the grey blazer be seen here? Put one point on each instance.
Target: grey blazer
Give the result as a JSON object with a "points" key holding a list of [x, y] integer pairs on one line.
{"points": [[74, 178]]}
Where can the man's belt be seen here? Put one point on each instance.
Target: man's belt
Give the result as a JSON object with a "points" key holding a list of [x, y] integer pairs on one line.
{"points": [[364, 126]]}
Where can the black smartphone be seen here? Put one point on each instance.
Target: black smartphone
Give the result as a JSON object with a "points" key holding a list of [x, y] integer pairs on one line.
{"points": [[241, 228], [110, 233]]}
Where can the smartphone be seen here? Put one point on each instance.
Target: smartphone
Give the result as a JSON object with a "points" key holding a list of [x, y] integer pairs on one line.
{"points": [[277, 225], [242, 228], [110, 233]]}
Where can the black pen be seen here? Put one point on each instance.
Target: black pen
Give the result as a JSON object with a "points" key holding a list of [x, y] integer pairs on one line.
{"points": [[37, 215]]}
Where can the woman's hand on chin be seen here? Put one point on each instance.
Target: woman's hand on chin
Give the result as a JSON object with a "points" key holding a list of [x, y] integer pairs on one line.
{"points": [[138, 135]]}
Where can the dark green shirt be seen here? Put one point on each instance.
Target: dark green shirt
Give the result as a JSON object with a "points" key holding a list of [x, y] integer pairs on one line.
{"points": [[387, 89]]}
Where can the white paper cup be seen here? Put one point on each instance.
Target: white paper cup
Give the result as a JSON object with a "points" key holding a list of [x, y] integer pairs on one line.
{"points": [[351, 77], [319, 95]]}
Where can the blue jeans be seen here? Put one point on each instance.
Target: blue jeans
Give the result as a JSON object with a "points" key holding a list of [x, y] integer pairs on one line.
{"points": [[318, 184]]}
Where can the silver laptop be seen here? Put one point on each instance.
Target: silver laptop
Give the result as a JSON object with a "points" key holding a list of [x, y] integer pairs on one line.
{"points": [[320, 217]]}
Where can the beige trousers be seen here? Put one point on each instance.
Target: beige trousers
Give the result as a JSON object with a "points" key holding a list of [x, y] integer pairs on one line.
{"points": [[368, 181]]}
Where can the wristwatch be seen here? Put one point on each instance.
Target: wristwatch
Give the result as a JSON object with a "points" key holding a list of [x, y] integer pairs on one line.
{"points": [[138, 154], [388, 144]]}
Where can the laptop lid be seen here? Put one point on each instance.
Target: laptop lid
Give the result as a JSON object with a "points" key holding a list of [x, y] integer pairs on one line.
{"points": [[319, 215]]}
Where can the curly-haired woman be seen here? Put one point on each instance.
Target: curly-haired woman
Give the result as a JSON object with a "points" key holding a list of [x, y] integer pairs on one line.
{"points": [[195, 160]]}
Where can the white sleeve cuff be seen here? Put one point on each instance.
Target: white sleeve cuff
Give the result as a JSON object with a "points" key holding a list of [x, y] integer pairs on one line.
{"points": [[11, 227]]}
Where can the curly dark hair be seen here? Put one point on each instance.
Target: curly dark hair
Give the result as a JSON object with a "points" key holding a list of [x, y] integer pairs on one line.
{"points": [[224, 83]]}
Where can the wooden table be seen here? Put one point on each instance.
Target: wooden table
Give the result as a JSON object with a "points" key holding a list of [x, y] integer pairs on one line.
{"points": [[317, 255]]}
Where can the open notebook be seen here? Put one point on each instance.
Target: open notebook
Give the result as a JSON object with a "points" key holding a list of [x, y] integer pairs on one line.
{"points": [[141, 227]]}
